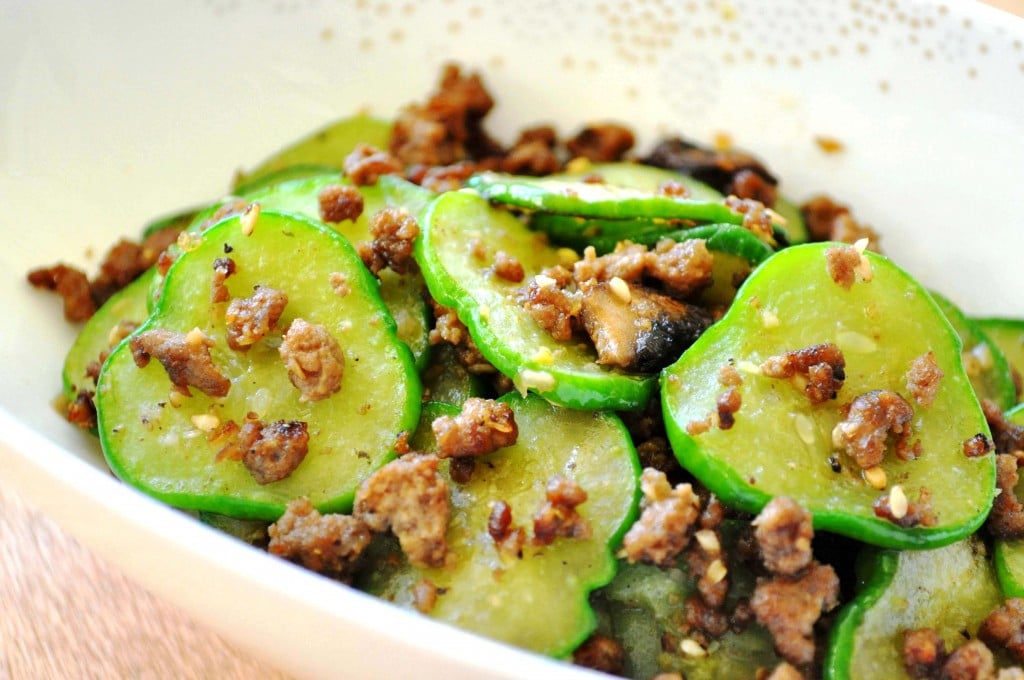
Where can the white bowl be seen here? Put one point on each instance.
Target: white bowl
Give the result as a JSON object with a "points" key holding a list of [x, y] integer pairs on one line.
{"points": [[111, 115]]}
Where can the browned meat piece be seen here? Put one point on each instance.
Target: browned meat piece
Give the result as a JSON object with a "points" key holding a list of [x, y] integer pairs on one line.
{"points": [[784, 533], [663, 530], [841, 263], [657, 453], [643, 332], [394, 232], [507, 537], [1004, 628], [122, 264], [314, 360], [970, 661], [340, 202], [442, 178], [978, 445], [830, 221], [557, 517], [752, 185], [707, 565], [924, 652], [277, 450], [554, 308], [868, 424], [483, 426], [628, 262], [785, 671], [717, 168], [185, 357], [1006, 520], [601, 653], [756, 217], [790, 607], [672, 189], [248, 320], [533, 153], [223, 268], [448, 328], [683, 268], [703, 621], [823, 366], [1008, 436], [327, 544], [424, 596], [411, 498], [602, 143], [508, 268], [904, 512], [82, 411], [728, 404], [449, 127], [71, 284], [923, 379], [367, 163]]}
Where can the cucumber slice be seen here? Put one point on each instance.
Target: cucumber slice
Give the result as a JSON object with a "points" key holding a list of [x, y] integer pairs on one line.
{"points": [[128, 304], [781, 443], [1009, 554], [571, 197], [179, 220], [539, 601], [400, 193], [795, 228], [328, 146], [446, 380], [284, 175], [565, 373], [643, 177], [156, 447], [950, 589], [646, 604], [1008, 336], [984, 361], [403, 295]]}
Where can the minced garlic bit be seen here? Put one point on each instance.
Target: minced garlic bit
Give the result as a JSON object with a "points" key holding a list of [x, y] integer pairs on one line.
{"points": [[898, 502], [543, 281], [708, 540], [716, 571], [175, 398], [538, 380], [188, 241], [207, 422], [543, 356], [876, 477], [691, 647], [568, 256], [579, 164], [195, 337], [978, 360], [863, 269], [769, 319], [620, 289], [249, 217]]}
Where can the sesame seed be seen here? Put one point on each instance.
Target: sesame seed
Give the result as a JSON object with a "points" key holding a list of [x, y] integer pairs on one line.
{"points": [[837, 437], [544, 281], [541, 381], [804, 428], [620, 289], [876, 477], [249, 217], [852, 341], [692, 648], [898, 502], [748, 367]]}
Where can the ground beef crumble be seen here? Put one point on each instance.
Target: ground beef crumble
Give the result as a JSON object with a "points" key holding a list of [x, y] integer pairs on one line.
{"points": [[250, 319], [784, 533], [340, 202], [923, 379], [728, 404], [71, 284], [367, 163], [394, 232], [1004, 628], [508, 268], [601, 653], [411, 498], [915, 513], [533, 153], [923, 653], [185, 357], [449, 328], [868, 423], [841, 263], [314, 360], [272, 452], [1009, 437], [828, 220], [508, 537], [970, 661], [555, 309], [327, 544], [602, 143], [822, 365], [790, 606], [483, 426], [223, 268], [558, 517], [663, 530]]}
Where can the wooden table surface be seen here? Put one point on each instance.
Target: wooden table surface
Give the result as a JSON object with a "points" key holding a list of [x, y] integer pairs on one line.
{"points": [[66, 613]]}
